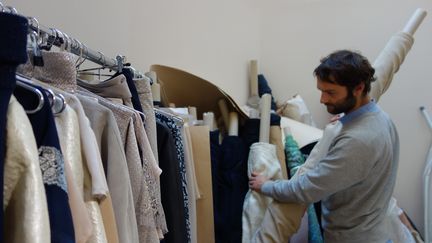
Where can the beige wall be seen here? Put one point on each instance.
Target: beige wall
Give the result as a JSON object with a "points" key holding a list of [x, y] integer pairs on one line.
{"points": [[216, 39]]}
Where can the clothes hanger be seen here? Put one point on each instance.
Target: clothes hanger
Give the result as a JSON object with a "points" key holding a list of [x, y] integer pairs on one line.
{"points": [[23, 83], [176, 118]]}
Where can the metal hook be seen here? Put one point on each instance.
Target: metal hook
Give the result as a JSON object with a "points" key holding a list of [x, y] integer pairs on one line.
{"points": [[60, 38], [67, 40], [59, 104], [79, 47], [38, 31], [12, 10]]}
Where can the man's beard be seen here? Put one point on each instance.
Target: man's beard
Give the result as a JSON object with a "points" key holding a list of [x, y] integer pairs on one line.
{"points": [[343, 106]]}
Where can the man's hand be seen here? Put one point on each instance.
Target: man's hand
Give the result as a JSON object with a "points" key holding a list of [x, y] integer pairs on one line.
{"points": [[256, 181]]}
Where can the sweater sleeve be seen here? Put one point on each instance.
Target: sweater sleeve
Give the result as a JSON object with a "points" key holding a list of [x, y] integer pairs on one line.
{"points": [[347, 163]]}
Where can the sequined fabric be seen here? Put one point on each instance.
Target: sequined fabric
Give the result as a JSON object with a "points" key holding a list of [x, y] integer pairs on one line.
{"points": [[146, 98], [24, 198], [58, 70]]}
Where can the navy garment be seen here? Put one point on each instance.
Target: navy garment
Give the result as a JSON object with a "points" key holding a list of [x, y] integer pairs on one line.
{"points": [[13, 42], [264, 88], [232, 183], [215, 154], [171, 187], [175, 130], [51, 164], [132, 88]]}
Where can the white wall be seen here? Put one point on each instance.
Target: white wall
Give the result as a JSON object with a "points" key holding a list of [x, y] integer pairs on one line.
{"points": [[216, 39]]}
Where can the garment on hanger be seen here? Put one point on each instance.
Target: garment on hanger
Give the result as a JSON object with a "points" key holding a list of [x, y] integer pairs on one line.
{"points": [[143, 180], [113, 156], [25, 201], [68, 131], [12, 53], [171, 187], [52, 166], [146, 99], [113, 89], [59, 72], [175, 130], [132, 88]]}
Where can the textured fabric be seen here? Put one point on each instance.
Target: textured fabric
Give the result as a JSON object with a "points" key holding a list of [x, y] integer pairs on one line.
{"points": [[204, 206], [13, 29], [281, 220], [68, 132], [146, 99], [24, 201], [142, 179], [115, 87], [91, 161], [147, 159], [171, 187], [52, 166], [151, 176], [114, 159], [59, 70], [263, 160], [389, 61], [295, 159], [175, 129], [364, 155], [87, 157]]}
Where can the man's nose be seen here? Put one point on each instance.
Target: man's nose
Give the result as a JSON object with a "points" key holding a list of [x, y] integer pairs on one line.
{"points": [[324, 98]]}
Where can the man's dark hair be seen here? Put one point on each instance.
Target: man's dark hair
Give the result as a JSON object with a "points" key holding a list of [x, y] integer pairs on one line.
{"points": [[346, 68]]}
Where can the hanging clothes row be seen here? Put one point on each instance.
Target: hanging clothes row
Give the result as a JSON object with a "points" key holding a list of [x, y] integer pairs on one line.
{"points": [[97, 155]]}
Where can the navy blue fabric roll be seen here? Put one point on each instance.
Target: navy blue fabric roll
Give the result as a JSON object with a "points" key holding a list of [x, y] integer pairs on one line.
{"points": [[264, 88], [13, 41], [233, 186], [51, 164]]}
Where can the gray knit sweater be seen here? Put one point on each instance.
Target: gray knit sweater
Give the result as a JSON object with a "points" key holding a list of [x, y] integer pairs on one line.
{"points": [[354, 181]]}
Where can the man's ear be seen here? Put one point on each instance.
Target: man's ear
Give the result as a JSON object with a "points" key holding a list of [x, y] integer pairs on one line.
{"points": [[358, 90]]}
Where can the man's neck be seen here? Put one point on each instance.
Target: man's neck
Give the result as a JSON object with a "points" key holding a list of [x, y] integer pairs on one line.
{"points": [[363, 100]]}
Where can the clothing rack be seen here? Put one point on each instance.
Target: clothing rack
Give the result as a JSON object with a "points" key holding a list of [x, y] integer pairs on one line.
{"points": [[60, 39]]}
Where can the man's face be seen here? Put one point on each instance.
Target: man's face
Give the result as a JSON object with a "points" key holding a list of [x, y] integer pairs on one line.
{"points": [[336, 97]]}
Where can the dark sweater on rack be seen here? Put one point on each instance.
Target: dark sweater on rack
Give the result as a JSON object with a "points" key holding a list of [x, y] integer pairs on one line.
{"points": [[13, 41]]}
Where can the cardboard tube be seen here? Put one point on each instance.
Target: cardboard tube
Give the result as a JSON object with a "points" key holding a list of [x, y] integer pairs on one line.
{"points": [[253, 78], [224, 111], [233, 124], [193, 112], [264, 134], [208, 118], [155, 89], [415, 21]]}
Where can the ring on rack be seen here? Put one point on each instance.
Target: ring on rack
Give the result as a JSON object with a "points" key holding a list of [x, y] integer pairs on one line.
{"points": [[33, 20], [12, 10]]}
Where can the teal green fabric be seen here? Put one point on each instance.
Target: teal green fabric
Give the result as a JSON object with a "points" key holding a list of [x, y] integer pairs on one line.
{"points": [[295, 159]]}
